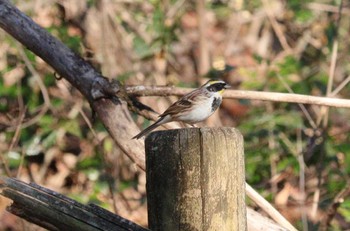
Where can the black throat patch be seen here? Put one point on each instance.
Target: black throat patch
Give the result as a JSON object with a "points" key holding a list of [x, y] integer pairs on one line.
{"points": [[216, 103]]}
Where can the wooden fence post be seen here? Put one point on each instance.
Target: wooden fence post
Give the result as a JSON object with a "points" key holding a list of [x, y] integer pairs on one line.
{"points": [[196, 180]]}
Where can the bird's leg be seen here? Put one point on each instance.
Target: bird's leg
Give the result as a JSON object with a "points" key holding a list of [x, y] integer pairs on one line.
{"points": [[186, 125]]}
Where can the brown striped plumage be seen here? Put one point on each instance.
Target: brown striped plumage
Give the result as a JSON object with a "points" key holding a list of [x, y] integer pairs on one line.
{"points": [[193, 107]]}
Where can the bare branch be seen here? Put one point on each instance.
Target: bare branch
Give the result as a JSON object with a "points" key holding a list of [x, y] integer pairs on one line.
{"points": [[96, 89], [326, 7], [266, 206], [204, 58], [277, 28], [340, 86], [100, 92], [241, 94], [302, 107]]}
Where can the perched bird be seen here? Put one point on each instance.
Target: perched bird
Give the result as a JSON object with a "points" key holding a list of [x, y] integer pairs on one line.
{"points": [[193, 107]]}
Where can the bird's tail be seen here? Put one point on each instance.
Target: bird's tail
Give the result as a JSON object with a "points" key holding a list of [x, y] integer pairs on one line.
{"points": [[150, 128]]}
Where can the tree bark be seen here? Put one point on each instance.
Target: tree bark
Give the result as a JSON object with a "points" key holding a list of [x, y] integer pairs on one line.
{"points": [[54, 211], [96, 89], [99, 91]]}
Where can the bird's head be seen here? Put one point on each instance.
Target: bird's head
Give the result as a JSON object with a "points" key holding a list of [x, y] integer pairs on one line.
{"points": [[216, 86]]}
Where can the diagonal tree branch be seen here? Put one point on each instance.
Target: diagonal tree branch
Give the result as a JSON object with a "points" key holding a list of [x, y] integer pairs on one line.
{"points": [[95, 88], [98, 90], [67, 64]]}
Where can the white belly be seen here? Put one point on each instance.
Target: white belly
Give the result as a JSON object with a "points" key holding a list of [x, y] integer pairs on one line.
{"points": [[199, 113]]}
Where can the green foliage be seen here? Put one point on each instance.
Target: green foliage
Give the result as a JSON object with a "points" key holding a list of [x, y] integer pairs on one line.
{"points": [[302, 14], [221, 10], [273, 132], [142, 49], [162, 30], [10, 92], [71, 126], [14, 159], [345, 210], [90, 165]]}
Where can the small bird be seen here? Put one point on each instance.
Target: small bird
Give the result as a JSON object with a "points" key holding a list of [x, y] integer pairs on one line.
{"points": [[193, 107]]}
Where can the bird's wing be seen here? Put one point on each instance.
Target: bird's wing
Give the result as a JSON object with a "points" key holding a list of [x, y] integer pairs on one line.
{"points": [[182, 104]]}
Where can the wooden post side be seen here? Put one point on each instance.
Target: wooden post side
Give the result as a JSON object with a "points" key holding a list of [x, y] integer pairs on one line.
{"points": [[195, 180], [223, 179]]}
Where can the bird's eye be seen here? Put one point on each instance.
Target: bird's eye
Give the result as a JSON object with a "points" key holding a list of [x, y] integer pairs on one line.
{"points": [[211, 88], [216, 87]]}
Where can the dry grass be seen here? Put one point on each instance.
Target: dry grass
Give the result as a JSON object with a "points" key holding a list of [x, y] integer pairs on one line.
{"points": [[48, 136]]}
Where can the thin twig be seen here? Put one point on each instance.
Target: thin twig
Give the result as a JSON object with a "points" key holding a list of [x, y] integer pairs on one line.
{"points": [[301, 179], [174, 9], [242, 94], [332, 67], [44, 92], [267, 207], [325, 111], [326, 8], [4, 163], [340, 87], [21, 162], [35, 74], [17, 133], [324, 115], [15, 137], [315, 200], [128, 18], [272, 147], [288, 143], [99, 143], [204, 62], [44, 108], [302, 107], [276, 27]]}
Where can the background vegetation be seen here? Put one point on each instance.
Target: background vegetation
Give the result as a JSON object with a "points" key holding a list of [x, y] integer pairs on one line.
{"points": [[296, 157]]}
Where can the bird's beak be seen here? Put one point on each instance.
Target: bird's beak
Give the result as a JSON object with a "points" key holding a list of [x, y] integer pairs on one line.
{"points": [[227, 86]]}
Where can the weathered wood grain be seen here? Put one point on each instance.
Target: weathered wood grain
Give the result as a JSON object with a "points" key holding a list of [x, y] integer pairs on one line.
{"points": [[54, 211], [196, 180]]}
